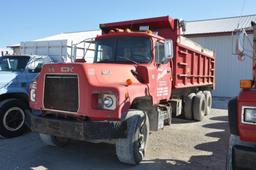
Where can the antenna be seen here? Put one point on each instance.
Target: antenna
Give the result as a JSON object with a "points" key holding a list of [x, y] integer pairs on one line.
{"points": [[241, 13]]}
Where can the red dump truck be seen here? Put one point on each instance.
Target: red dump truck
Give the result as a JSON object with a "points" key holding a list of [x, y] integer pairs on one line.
{"points": [[242, 120], [143, 72]]}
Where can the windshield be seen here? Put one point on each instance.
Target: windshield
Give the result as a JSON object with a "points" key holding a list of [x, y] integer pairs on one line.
{"points": [[13, 63], [123, 50]]}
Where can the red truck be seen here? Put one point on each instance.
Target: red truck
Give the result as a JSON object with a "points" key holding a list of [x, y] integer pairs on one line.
{"points": [[242, 120], [143, 72]]}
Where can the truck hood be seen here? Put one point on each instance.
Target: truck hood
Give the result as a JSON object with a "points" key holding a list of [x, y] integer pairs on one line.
{"points": [[6, 78], [109, 74]]}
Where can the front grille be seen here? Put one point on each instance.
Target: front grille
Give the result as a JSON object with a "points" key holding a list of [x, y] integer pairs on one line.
{"points": [[61, 92]]}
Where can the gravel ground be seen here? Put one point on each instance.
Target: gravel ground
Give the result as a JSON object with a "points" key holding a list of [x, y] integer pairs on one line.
{"points": [[183, 145]]}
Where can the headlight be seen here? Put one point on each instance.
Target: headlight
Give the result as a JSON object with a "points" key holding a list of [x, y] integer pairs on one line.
{"points": [[107, 101], [249, 115], [33, 92]]}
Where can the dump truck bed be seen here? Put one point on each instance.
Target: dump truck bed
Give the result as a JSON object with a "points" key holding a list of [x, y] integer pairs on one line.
{"points": [[193, 65]]}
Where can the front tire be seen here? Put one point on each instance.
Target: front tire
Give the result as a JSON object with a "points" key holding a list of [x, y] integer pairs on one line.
{"points": [[12, 118], [132, 149]]}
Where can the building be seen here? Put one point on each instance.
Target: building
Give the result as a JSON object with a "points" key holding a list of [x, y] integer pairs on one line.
{"points": [[215, 34], [64, 44], [5, 51]]}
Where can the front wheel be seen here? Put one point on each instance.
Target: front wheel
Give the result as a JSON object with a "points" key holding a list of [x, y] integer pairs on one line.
{"points": [[12, 118], [132, 149]]}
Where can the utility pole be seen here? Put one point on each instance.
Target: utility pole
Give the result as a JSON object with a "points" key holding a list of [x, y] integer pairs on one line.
{"points": [[254, 50]]}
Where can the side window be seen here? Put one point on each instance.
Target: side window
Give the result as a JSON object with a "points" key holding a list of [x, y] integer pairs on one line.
{"points": [[159, 53]]}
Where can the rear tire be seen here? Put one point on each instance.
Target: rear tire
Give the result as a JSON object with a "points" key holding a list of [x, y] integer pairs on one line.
{"points": [[132, 149], [199, 106], [208, 100], [53, 140], [188, 103], [12, 118]]}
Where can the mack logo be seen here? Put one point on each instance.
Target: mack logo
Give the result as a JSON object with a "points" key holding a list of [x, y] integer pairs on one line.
{"points": [[66, 69]]}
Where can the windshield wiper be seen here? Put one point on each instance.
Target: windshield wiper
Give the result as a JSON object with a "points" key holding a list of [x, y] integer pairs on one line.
{"points": [[127, 59]]}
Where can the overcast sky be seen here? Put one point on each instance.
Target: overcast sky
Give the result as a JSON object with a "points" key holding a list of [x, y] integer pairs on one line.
{"points": [[25, 20]]}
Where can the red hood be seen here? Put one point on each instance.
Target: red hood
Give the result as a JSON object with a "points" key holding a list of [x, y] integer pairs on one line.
{"points": [[109, 74]]}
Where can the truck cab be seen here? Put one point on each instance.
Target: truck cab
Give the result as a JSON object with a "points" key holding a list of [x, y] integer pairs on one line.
{"points": [[242, 121], [242, 117], [16, 74], [148, 55]]}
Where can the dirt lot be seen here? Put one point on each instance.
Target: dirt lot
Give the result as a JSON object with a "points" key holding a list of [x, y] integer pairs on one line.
{"points": [[183, 145]]}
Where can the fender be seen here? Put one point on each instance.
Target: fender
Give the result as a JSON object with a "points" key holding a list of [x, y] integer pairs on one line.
{"points": [[22, 95], [9, 90], [232, 116], [142, 103]]}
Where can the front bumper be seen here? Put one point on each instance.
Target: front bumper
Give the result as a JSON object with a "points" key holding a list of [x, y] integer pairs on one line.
{"points": [[241, 155], [244, 157], [79, 130]]}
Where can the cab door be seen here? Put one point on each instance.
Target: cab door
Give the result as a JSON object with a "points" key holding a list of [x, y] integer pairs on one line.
{"points": [[164, 74]]}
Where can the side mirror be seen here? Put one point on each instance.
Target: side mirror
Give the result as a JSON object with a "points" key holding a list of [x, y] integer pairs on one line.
{"points": [[168, 49], [240, 43]]}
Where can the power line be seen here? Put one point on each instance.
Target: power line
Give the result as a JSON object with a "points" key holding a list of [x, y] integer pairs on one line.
{"points": [[241, 13]]}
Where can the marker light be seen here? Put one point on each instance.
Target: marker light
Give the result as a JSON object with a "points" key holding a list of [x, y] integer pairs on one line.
{"points": [[128, 82], [128, 30], [246, 84], [33, 92], [119, 30], [149, 32]]}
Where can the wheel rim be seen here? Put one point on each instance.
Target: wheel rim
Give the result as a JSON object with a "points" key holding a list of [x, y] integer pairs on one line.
{"points": [[14, 119]]}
